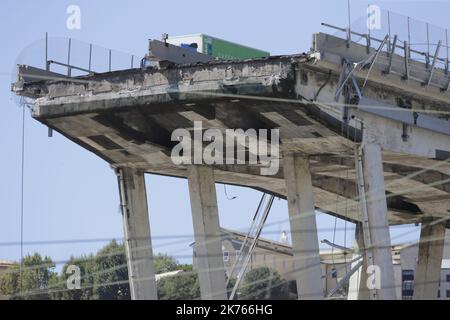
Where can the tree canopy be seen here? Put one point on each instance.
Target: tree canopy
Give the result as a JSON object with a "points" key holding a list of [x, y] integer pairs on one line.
{"points": [[29, 282], [264, 283], [102, 276], [105, 276]]}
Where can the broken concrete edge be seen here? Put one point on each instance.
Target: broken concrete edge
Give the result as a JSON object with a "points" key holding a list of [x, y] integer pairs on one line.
{"points": [[322, 57], [116, 76]]}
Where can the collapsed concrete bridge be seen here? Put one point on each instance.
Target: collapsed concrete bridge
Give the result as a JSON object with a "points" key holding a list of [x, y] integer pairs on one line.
{"points": [[355, 123]]}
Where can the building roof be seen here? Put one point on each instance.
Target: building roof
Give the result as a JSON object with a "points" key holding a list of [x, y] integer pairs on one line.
{"points": [[167, 274], [263, 243], [327, 256], [5, 264]]}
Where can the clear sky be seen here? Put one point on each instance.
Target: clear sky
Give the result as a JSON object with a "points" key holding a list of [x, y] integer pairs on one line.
{"points": [[71, 193]]}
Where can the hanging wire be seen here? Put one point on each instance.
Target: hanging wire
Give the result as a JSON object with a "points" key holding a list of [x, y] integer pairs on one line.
{"points": [[226, 194], [347, 92], [124, 265], [22, 192], [346, 199]]}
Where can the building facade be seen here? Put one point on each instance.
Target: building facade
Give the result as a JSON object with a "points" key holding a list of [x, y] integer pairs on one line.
{"points": [[278, 256], [335, 264], [405, 273]]}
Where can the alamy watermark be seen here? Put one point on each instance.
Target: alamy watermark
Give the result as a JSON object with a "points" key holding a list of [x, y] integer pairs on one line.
{"points": [[74, 280], [373, 17], [373, 277], [235, 146], [73, 22]]}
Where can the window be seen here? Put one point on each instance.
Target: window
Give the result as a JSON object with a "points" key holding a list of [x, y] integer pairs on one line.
{"points": [[408, 285], [408, 275], [407, 289], [447, 293], [226, 256], [447, 278]]}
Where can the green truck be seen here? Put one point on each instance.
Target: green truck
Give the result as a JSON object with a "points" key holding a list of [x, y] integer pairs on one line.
{"points": [[217, 48]]}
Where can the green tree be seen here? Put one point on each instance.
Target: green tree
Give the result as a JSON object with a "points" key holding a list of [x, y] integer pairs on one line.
{"points": [[103, 276], [33, 282], [165, 263], [180, 287], [86, 291], [183, 286], [9, 281], [230, 287], [110, 273], [185, 267], [264, 283]]}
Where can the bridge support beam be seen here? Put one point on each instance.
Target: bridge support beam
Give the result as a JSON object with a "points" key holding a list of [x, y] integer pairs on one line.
{"points": [[377, 242], [305, 244], [357, 289], [428, 270], [138, 245], [208, 245]]}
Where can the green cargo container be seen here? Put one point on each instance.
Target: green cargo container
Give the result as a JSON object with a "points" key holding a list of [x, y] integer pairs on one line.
{"points": [[219, 48]]}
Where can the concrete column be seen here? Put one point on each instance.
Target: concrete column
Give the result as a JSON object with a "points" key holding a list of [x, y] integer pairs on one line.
{"points": [[305, 244], [428, 270], [138, 246], [208, 244], [357, 289], [377, 239]]}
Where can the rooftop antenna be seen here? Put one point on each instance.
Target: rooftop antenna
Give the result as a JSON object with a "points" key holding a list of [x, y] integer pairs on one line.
{"points": [[284, 237], [164, 38]]}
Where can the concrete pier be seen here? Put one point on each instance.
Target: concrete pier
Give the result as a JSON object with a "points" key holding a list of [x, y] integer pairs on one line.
{"points": [[138, 245], [305, 244], [208, 246], [428, 270], [357, 288], [377, 241]]}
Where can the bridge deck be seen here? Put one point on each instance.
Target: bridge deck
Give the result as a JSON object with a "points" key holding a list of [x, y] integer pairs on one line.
{"points": [[127, 117]]}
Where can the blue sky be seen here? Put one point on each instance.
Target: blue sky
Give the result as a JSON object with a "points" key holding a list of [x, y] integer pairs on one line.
{"points": [[72, 194]]}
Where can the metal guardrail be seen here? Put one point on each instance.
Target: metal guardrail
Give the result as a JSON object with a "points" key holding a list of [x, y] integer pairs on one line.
{"points": [[410, 39], [107, 58], [392, 45], [69, 67], [422, 40]]}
